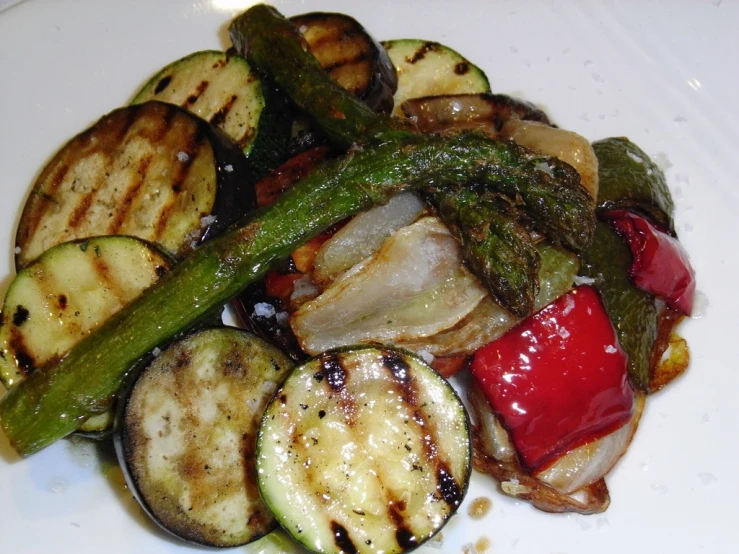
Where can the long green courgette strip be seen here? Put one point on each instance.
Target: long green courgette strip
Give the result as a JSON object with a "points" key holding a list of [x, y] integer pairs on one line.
{"points": [[54, 400]]}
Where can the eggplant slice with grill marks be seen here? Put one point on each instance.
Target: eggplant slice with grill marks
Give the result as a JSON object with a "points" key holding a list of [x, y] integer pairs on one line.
{"points": [[187, 432], [153, 171], [350, 56], [364, 450]]}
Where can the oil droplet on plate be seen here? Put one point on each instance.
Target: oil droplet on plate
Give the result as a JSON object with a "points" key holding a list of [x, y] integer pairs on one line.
{"points": [[479, 507]]}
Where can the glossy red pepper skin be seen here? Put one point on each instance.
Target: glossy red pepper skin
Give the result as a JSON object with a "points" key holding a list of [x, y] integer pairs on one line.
{"points": [[661, 266], [557, 380]]}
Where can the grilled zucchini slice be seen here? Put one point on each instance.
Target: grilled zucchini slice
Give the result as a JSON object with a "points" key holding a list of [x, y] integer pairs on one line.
{"points": [[153, 170], [364, 450], [350, 56], [188, 432], [427, 68], [222, 88], [65, 295]]}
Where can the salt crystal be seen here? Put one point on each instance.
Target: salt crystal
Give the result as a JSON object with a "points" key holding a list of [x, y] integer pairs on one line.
{"points": [[264, 309], [183, 156], [228, 168], [610, 349]]}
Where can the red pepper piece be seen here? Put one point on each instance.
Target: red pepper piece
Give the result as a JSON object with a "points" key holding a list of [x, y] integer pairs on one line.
{"points": [[661, 266], [558, 379]]}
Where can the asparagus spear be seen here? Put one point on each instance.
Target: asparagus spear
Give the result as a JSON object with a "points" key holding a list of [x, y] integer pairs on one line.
{"points": [[274, 45], [496, 248], [55, 399]]}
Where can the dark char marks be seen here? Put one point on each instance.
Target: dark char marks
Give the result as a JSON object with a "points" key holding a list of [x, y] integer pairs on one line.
{"points": [[334, 372], [342, 539]]}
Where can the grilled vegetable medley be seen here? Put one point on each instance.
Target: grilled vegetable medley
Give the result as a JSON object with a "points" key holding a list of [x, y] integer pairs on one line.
{"points": [[382, 222]]}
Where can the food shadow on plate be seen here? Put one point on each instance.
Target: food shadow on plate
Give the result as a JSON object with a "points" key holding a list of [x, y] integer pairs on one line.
{"points": [[114, 478]]}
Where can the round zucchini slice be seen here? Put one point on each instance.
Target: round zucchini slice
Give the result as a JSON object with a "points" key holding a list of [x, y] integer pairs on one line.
{"points": [[154, 171], [187, 435], [67, 293], [364, 450], [426, 68]]}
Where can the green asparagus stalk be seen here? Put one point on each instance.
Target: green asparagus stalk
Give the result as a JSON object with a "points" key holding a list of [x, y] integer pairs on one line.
{"points": [[276, 47], [55, 399], [496, 248]]}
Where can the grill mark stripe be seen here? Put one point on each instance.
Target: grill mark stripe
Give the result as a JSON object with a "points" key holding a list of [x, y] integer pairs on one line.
{"points": [[124, 206], [359, 58], [342, 539], [446, 484], [333, 371], [191, 146], [112, 152], [419, 54], [221, 113], [196, 94]]}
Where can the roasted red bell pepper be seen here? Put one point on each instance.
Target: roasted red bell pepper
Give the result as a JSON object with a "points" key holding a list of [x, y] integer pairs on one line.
{"points": [[558, 379], [661, 266]]}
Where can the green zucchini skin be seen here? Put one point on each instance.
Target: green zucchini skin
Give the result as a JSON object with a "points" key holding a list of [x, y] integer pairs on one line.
{"points": [[364, 449], [186, 435], [153, 170], [53, 401]]}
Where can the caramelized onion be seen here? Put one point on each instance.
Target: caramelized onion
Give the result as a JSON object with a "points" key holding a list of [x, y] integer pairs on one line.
{"points": [[489, 321], [574, 483], [413, 286], [364, 234], [566, 145], [487, 112]]}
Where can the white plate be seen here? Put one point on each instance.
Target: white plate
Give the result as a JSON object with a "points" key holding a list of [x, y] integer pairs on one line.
{"points": [[663, 74]]}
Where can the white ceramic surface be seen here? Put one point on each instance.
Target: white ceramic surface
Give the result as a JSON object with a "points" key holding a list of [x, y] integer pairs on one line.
{"points": [[665, 74]]}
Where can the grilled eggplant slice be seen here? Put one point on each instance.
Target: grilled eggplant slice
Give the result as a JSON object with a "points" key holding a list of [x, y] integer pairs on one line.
{"points": [[427, 68], [65, 295], [188, 429], [351, 57], [364, 450], [153, 170]]}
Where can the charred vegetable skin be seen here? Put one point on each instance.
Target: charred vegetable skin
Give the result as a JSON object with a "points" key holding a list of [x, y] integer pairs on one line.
{"points": [[53, 401], [364, 450], [152, 170], [496, 248], [629, 179], [351, 57], [187, 432], [275, 46]]}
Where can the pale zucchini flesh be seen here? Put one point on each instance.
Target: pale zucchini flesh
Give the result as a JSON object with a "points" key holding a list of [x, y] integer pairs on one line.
{"points": [[66, 294], [218, 87], [188, 435], [364, 450], [427, 68]]}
